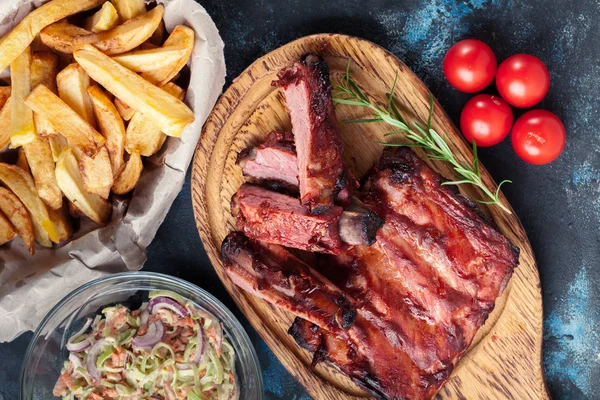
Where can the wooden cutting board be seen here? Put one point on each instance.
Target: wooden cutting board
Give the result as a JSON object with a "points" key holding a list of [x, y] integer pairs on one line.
{"points": [[505, 360]]}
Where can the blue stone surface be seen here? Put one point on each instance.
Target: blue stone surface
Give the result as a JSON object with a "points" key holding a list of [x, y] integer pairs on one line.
{"points": [[558, 204]]}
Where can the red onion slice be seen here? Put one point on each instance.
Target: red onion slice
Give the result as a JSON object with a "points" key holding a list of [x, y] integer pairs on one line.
{"points": [[165, 302], [201, 346], [82, 345], [155, 334], [92, 357]]}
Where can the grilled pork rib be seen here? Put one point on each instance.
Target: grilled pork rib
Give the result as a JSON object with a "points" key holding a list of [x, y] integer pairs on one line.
{"points": [[280, 219], [419, 294], [307, 92]]}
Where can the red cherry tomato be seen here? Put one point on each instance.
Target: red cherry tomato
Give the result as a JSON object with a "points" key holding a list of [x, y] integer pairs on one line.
{"points": [[470, 65], [538, 137], [522, 80], [486, 119]]}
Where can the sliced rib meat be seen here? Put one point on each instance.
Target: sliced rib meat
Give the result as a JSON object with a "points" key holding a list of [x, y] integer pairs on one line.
{"points": [[307, 90], [280, 219], [274, 164]]}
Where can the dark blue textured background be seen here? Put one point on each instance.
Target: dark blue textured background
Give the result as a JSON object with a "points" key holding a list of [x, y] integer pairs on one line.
{"points": [[559, 204]]}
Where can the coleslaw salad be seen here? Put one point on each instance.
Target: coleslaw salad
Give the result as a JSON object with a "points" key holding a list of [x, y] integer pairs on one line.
{"points": [[168, 349]]}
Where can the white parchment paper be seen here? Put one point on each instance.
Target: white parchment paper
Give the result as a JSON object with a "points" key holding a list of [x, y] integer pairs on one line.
{"points": [[31, 286]]}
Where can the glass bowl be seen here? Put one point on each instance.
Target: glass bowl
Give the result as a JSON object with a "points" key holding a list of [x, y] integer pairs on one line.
{"points": [[47, 352]]}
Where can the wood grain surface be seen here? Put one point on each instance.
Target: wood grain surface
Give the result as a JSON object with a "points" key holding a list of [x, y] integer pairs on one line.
{"points": [[504, 361]]}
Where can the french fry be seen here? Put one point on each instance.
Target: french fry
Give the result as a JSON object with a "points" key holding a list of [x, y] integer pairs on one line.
{"points": [[150, 60], [182, 37], [17, 40], [129, 9], [41, 163], [7, 231], [69, 180], [96, 173], [104, 19], [5, 124], [21, 184], [22, 161], [168, 113], [74, 128], [124, 110], [142, 134], [73, 83], [44, 67], [96, 170], [57, 145], [62, 221], [16, 212], [65, 37], [129, 176], [111, 126], [4, 95], [61, 36], [22, 129]]}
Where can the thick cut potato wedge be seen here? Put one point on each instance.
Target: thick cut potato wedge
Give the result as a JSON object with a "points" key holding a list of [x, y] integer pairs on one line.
{"points": [[129, 176], [104, 19], [22, 129], [22, 161], [147, 61], [124, 110], [7, 231], [96, 173], [182, 37], [17, 40], [111, 126], [4, 95], [5, 124], [73, 127], [69, 180], [61, 36], [142, 134], [168, 113], [23, 186], [129, 9], [44, 67], [57, 145], [62, 221], [65, 37], [73, 83], [41, 163], [16, 212]]}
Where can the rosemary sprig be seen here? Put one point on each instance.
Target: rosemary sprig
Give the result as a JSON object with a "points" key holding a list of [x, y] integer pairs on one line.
{"points": [[347, 92]]}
